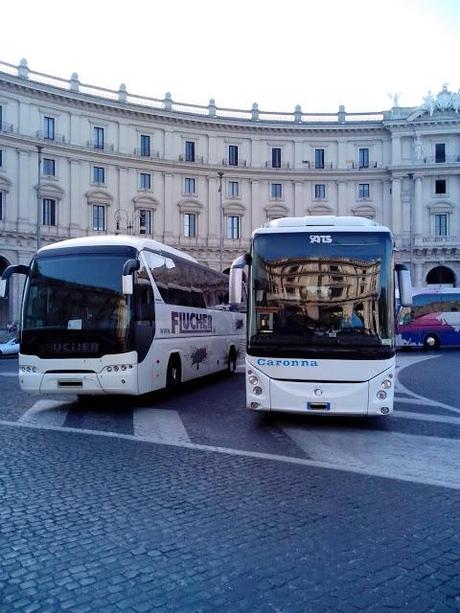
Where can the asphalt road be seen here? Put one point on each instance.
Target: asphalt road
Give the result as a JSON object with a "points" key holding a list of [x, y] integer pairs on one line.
{"points": [[191, 503]]}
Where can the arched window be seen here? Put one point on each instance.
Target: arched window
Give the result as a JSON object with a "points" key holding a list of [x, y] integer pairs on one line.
{"points": [[441, 275]]}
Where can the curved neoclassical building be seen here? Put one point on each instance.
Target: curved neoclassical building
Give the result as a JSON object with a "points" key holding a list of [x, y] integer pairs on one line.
{"points": [[78, 160]]}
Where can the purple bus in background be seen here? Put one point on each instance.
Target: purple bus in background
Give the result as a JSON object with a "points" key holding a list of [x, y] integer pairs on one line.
{"points": [[432, 321]]}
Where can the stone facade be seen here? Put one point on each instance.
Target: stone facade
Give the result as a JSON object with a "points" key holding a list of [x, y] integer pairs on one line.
{"points": [[201, 178]]}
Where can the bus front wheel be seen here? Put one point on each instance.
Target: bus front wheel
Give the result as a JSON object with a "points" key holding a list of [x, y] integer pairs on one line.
{"points": [[174, 373], [431, 342]]}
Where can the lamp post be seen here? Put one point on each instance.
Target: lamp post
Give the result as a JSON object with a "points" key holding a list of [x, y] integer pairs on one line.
{"points": [[39, 171], [130, 220], [221, 223]]}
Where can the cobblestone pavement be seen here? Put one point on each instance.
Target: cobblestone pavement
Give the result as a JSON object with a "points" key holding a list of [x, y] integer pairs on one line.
{"points": [[110, 524], [95, 519]]}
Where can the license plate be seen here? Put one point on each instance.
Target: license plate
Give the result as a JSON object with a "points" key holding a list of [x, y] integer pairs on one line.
{"points": [[319, 406]]}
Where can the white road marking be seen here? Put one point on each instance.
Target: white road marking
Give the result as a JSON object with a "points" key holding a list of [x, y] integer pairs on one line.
{"points": [[45, 413], [422, 479], [159, 426], [441, 419], [9, 374], [383, 454]]}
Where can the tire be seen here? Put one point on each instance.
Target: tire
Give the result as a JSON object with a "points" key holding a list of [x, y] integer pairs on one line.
{"points": [[173, 374], [231, 361], [431, 342]]}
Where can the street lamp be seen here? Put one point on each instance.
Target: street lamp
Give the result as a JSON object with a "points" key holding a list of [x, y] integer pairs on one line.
{"points": [[221, 222], [129, 218], [39, 171]]}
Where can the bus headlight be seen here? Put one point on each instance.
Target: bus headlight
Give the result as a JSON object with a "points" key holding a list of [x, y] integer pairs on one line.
{"points": [[381, 395], [253, 380], [257, 391], [386, 384]]}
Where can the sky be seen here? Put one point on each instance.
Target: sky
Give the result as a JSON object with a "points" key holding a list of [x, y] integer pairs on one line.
{"points": [[316, 53]]}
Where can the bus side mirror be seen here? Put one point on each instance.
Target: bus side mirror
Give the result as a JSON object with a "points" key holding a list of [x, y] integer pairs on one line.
{"points": [[235, 287], [127, 282], [405, 285], [20, 269]]}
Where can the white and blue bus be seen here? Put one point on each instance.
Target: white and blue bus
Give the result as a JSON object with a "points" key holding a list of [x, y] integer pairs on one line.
{"points": [[121, 315], [320, 334], [433, 320]]}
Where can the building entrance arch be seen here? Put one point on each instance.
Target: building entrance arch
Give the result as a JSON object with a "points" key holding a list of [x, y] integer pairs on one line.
{"points": [[441, 275]]}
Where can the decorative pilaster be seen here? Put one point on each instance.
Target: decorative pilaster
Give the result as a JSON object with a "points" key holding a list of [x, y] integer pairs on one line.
{"points": [[396, 207], [299, 199], [342, 204], [168, 206]]}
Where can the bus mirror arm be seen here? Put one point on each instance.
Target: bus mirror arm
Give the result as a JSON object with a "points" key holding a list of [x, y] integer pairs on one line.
{"points": [[127, 283], [405, 285], [236, 279], [20, 269]]}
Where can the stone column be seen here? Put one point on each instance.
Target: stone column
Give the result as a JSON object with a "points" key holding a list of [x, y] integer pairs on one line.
{"points": [[299, 199], [24, 122], [121, 200], [342, 205], [213, 211], [418, 213], [169, 145], [395, 150], [169, 208], [418, 280], [75, 136], [76, 204], [27, 198], [396, 207], [257, 214], [386, 205]]}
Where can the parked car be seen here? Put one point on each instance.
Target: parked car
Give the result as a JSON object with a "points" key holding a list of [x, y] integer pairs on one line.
{"points": [[11, 347]]}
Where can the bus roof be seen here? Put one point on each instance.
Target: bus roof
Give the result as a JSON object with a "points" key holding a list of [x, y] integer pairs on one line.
{"points": [[321, 223], [416, 291], [118, 239]]}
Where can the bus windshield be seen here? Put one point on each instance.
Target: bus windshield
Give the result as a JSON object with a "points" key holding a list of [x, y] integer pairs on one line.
{"points": [[72, 297], [309, 299]]}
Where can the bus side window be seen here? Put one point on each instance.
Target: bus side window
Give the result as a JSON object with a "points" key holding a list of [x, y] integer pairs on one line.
{"points": [[159, 272]]}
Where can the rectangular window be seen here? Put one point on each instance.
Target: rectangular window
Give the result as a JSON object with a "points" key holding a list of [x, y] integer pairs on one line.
{"points": [[320, 191], [189, 151], [98, 217], [49, 212], [49, 167], [233, 189], [145, 145], [319, 158], [145, 180], [99, 175], [233, 155], [1, 205], [48, 128], [98, 137], [363, 190], [277, 190], [440, 224], [190, 225], [440, 186], [440, 153], [145, 222], [276, 157], [189, 187], [363, 157], [233, 227]]}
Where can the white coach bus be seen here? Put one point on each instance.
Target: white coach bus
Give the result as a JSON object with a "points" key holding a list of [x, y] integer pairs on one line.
{"points": [[121, 315], [321, 335]]}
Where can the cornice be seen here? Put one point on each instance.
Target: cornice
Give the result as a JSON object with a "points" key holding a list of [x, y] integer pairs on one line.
{"points": [[85, 102]]}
